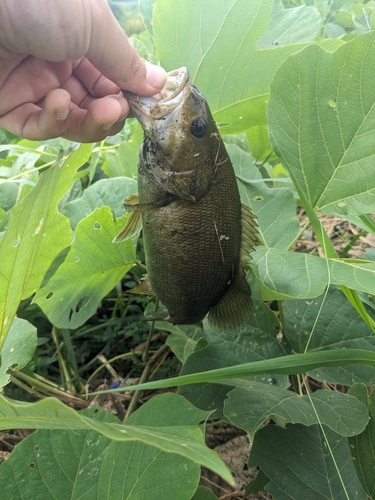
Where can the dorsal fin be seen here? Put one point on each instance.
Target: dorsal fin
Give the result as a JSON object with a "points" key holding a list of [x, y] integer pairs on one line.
{"points": [[249, 234]]}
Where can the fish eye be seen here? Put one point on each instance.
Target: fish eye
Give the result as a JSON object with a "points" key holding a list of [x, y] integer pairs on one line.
{"points": [[198, 127]]}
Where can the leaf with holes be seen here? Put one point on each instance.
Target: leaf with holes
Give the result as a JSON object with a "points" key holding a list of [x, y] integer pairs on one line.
{"points": [[249, 407], [36, 234], [91, 269], [18, 348]]}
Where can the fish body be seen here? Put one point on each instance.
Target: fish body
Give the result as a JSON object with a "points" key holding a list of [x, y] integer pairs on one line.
{"points": [[190, 210]]}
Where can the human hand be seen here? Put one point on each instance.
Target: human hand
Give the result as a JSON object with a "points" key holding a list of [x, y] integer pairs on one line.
{"points": [[62, 65]]}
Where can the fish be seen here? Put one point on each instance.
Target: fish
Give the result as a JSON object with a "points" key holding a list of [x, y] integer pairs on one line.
{"points": [[197, 235]]}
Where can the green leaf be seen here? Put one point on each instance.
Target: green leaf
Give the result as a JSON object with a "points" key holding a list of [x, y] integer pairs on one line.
{"points": [[321, 123], [249, 407], [300, 464], [174, 433], [223, 36], [145, 8], [203, 493], [18, 348], [36, 234], [57, 465], [288, 365], [183, 339], [362, 447], [255, 342], [287, 275], [307, 275], [91, 269], [275, 208], [133, 470], [287, 26], [106, 192], [336, 325], [124, 163]]}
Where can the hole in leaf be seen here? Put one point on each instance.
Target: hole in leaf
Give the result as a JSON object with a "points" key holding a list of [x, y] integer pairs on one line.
{"points": [[82, 303], [76, 258], [36, 448], [49, 295], [32, 465], [97, 225], [258, 198]]}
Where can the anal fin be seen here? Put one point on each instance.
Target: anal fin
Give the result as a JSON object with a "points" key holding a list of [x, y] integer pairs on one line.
{"points": [[234, 308]]}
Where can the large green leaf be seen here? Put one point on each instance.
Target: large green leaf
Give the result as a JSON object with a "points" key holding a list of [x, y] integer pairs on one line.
{"points": [[300, 465], [289, 275], [288, 26], [183, 439], [218, 44], [106, 192], [362, 447], [275, 208], [255, 342], [321, 123], [137, 471], [249, 407], [18, 348], [288, 365], [91, 269], [36, 234], [72, 465], [330, 322]]}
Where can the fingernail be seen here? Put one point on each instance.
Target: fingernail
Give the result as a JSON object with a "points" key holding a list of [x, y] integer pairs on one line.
{"points": [[108, 125], [62, 113], [155, 75]]}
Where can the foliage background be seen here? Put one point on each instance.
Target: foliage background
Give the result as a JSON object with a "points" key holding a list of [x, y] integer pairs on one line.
{"points": [[291, 88]]}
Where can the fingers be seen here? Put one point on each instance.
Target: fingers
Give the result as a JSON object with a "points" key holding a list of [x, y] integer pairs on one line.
{"points": [[58, 116], [103, 117], [109, 46]]}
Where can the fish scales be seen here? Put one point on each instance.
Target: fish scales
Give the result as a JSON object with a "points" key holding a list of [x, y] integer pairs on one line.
{"points": [[190, 210]]}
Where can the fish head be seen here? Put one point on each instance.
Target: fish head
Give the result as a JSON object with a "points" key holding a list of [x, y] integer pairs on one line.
{"points": [[181, 132]]}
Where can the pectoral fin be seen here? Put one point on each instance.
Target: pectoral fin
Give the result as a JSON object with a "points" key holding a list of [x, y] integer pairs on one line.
{"points": [[144, 288], [131, 228], [234, 309]]}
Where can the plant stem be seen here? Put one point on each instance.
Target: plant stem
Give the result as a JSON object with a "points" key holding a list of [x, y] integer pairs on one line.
{"points": [[146, 371]]}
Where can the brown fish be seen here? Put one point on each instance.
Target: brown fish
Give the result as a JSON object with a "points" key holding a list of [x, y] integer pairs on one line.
{"points": [[197, 235]]}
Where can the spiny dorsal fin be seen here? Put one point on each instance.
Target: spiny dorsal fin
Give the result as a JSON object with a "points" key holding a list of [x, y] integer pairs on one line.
{"points": [[144, 287], [234, 308], [131, 228], [249, 234]]}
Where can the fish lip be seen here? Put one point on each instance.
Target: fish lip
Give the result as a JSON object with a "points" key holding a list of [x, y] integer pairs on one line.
{"points": [[174, 94]]}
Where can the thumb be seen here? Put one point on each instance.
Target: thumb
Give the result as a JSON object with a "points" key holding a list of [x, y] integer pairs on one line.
{"points": [[111, 52]]}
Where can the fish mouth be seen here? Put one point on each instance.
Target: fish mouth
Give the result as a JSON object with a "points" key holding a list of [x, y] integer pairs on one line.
{"points": [[174, 94]]}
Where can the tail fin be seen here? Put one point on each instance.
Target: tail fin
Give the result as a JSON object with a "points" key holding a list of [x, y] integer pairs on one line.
{"points": [[233, 309]]}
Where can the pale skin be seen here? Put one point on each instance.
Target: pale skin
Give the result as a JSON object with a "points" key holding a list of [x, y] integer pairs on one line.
{"points": [[63, 64]]}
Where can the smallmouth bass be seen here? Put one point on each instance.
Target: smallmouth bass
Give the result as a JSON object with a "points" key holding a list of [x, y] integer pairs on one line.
{"points": [[197, 235]]}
